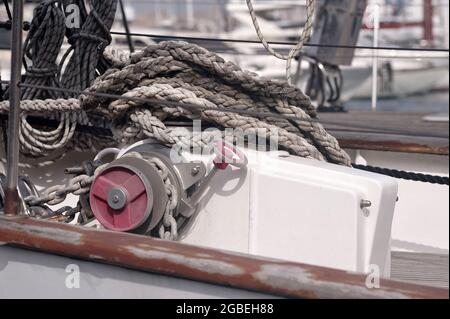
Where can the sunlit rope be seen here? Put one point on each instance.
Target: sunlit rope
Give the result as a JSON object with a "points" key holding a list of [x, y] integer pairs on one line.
{"points": [[306, 34], [337, 125]]}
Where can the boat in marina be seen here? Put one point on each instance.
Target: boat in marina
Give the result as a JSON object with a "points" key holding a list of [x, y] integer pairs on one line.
{"points": [[397, 69], [396, 72], [160, 202]]}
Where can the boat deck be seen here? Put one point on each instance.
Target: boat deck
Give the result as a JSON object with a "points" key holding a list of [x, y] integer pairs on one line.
{"points": [[422, 269], [388, 131]]}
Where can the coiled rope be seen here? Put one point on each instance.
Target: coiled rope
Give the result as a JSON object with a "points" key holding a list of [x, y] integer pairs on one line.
{"points": [[305, 36], [186, 74], [88, 44], [85, 62], [42, 47]]}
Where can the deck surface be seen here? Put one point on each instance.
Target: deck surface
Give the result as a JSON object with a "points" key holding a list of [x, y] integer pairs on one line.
{"points": [[388, 131], [423, 269]]}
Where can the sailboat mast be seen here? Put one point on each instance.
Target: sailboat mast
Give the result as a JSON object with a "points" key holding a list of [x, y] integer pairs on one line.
{"points": [[428, 35], [190, 14]]}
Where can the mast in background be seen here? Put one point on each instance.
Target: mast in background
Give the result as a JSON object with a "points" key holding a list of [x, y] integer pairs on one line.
{"points": [[376, 29], [428, 34], [190, 14], [224, 13]]}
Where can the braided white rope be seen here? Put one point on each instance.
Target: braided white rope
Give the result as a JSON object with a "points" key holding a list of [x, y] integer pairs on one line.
{"points": [[306, 34], [42, 48], [198, 84], [36, 142]]}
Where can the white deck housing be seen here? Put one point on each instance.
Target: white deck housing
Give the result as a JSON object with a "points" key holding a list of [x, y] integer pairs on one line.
{"points": [[300, 210]]}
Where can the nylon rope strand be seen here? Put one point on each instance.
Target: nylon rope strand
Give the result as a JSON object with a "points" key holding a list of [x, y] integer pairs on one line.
{"points": [[179, 74], [85, 62], [41, 50], [87, 43], [305, 36]]}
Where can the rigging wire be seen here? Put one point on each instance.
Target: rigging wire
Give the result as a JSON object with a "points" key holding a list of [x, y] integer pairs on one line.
{"points": [[208, 39], [278, 2], [8, 10], [126, 26], [261, 52]]}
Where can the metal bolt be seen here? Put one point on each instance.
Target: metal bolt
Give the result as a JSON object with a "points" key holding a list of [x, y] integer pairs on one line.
{"points": [[116, 199], [365, 204], [196, 170]]}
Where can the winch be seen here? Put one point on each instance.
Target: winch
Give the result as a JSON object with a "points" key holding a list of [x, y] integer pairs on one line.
{"points": [[148, 190]]}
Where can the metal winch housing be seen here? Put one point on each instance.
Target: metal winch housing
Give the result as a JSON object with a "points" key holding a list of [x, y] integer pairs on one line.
{"points": [[131, 195]]}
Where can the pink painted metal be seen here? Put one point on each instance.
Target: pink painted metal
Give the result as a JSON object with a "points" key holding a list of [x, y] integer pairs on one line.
{"points": [[135, 209], [228, 154]]}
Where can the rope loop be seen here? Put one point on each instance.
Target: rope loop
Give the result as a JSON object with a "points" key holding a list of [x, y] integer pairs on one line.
{"points": [[305, 36], [181, 81]]}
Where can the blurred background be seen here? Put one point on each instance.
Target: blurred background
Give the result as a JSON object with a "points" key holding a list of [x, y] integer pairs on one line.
{"points": [[412, 75]]}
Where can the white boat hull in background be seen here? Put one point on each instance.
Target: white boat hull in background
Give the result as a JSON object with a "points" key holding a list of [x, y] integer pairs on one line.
{"points": [[403, 79], [404, 82]]}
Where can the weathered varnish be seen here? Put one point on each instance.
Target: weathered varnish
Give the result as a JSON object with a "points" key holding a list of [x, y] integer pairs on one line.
{"points": [[269, 276]]}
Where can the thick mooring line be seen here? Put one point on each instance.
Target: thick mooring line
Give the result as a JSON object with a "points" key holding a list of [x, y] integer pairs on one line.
{"points": [[11, 192]]}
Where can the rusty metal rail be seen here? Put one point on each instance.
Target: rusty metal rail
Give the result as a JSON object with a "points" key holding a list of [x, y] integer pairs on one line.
{"points": [[269, 276]]}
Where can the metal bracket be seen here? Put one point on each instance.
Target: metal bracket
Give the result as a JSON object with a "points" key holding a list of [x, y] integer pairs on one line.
{"points": [[7, 25], [190, 173]]}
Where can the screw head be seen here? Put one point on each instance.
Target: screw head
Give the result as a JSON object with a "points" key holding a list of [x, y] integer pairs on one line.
{"points": [[117, 199], [196, 170], [366, 204]]}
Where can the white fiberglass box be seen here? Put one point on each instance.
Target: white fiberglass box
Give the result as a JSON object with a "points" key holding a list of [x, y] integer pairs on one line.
{"points": [[299, 210]]}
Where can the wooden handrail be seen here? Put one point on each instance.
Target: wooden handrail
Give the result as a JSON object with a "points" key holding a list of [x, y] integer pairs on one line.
{"points": [[286, 279]]}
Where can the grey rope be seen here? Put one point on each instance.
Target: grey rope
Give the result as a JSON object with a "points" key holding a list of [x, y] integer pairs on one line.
{"points": [[42, 47], [191, 62], [88, 43], [306, 34], [184, 75]]}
